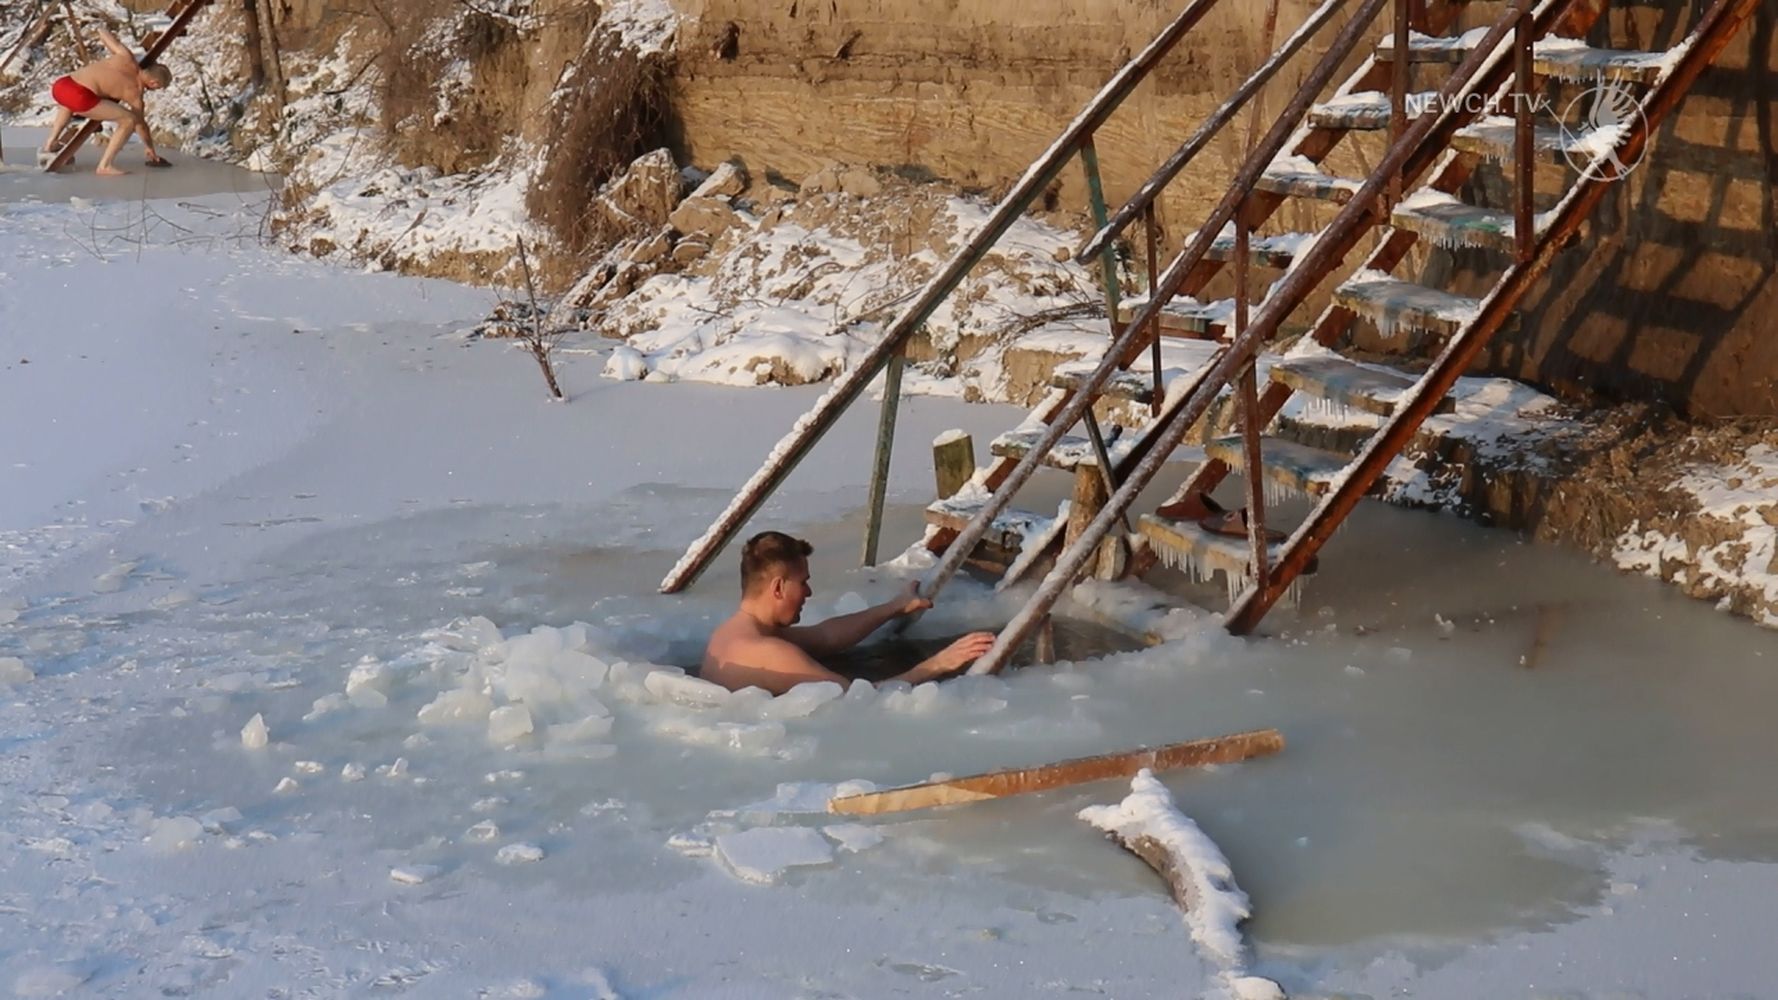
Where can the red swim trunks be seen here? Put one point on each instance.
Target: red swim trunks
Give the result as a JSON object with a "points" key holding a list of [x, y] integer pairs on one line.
{"points": [[73, 96]]}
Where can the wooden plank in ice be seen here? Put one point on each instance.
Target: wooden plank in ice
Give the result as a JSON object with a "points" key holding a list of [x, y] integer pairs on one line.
{"points": [[1070, 452], [1456, 223], [1009, 530], [1306, 184], [1135, 386], [1494, 138], [1181, 316], [1185, 543], [1427, 49], [1275, 251], [1585, 63], [1391, 303], [1366, 111], [1296, 467], [1229, 749], [1348, 384]]}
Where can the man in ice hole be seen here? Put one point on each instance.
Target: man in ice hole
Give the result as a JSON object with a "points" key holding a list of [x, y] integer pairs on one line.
{"points": [[110, 90], [762, 646]]}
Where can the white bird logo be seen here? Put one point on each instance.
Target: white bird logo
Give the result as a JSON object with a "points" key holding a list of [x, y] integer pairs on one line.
{"points": [[1608, 113]]}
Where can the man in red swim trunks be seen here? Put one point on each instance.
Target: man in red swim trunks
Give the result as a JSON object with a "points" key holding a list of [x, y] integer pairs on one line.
{"points": [[110, 90]]}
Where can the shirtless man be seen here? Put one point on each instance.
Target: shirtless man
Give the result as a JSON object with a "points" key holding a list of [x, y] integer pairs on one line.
{"points": [[761, 645], [109, 90]]}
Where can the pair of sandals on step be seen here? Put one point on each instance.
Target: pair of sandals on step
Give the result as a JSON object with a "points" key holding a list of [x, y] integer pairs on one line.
{"points": [[1218, 520]]}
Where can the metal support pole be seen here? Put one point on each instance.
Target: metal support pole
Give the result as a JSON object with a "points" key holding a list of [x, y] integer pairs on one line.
{"points": [[1249, 410], [1089, 161], [1524, 140], [1399, 68], [879, 476], [1152, 227]]}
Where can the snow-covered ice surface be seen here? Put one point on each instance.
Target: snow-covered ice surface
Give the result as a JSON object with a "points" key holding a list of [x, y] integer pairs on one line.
{"points": [[288, 491]]}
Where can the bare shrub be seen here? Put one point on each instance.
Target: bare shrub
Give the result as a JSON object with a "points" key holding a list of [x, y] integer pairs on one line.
{"points": [[428, 120], [538, 339], [612, 106]]}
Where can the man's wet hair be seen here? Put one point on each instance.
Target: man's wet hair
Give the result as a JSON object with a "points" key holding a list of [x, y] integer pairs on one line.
{"points": [[159, 74], [770, 553]]}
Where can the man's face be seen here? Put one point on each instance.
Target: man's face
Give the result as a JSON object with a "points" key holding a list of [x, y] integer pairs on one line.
{"points": [[793, 592], [150, 83]]}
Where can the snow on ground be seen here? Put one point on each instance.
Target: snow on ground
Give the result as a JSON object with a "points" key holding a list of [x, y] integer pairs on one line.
{"points": [[798, 291], [1737, 556], [281, 491]]}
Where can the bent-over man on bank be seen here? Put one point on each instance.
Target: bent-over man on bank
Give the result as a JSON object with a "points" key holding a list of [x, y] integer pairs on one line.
{"points": [[762, 646], [110, 90]]}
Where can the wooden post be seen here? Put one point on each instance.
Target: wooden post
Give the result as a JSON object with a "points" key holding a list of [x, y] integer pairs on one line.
{"points": [[1229, 749], [1089, 496], [953, 462], [879, 476]]}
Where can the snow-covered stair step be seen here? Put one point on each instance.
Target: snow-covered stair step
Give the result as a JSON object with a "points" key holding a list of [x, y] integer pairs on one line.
{"points": [[1357, 386], [1264, 251], [1185, 316], [1450, 222], [1366, 111], [1009, 530], [1429, 48], [1298, 177], [1570, 59], [1069, 453], [1134, 386], [1494, 138], [1389, 303], [1297, 468], [1186, 546]]}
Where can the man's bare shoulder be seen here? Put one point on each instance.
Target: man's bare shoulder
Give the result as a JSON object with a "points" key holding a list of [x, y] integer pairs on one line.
{"points": [[741, 654]]}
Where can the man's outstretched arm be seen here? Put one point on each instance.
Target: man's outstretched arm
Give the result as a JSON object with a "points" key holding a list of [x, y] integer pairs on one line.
{"points": [[114, 46], [842, 633]]}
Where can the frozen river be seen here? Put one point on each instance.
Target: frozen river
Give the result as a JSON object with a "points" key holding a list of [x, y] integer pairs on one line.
{"points": [[280, 489]]}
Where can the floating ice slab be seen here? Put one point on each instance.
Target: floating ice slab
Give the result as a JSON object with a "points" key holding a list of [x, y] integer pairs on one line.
{"points": [[854, 836], [175, 833], [13, 671], [508, 724], [762, 856], [413, 874], [254, 734], [801, 700], [460, 706], [518, 854], [692, 692]]}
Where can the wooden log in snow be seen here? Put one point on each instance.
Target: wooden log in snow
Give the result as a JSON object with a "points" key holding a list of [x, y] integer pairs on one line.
{"points": [[999, 784]]}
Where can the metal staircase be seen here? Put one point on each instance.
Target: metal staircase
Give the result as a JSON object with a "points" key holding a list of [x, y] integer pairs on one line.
{"points": [[1449, 142], [1436, 139]]}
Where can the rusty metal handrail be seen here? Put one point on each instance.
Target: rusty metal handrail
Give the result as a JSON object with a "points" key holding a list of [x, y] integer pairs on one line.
{"points": [[1335, 242], [1130, 341]]}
